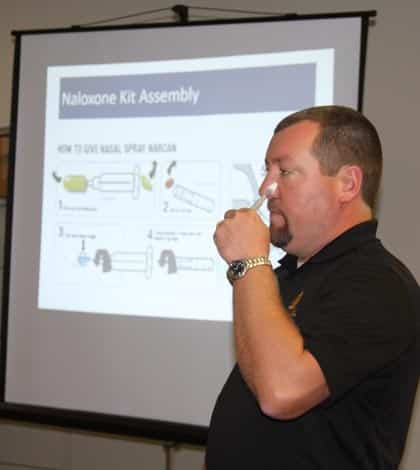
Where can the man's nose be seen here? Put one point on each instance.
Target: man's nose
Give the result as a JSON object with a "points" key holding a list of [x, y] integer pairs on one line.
{"points": [[268, 187]]}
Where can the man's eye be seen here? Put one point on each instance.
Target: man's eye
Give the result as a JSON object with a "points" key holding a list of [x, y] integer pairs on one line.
{"points": [[281, 171]]}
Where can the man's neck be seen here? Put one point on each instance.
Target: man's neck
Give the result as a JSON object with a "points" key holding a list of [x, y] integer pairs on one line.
{"points": [[346, 222]]}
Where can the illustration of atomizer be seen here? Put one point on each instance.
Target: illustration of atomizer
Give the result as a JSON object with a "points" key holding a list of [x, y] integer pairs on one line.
{"points": [[110, 182]]}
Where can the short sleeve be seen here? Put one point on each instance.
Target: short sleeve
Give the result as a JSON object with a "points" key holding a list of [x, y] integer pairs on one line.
{"points": [[362, 322]]}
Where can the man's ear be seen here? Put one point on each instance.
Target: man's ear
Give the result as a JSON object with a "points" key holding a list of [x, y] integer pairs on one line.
{"points": [[350, 179]]}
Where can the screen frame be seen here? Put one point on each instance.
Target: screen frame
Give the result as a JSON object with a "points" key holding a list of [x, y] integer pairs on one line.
{"points": [[98, 422]]}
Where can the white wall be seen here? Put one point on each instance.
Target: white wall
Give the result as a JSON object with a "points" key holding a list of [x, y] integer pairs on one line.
{"points": [[391, 101]]}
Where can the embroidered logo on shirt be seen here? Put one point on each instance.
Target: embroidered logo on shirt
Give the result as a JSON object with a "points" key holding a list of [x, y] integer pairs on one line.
{"points": [[292, 307]]}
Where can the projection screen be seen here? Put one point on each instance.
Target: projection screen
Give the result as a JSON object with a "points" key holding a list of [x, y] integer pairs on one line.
{"points": [[130, 144]]}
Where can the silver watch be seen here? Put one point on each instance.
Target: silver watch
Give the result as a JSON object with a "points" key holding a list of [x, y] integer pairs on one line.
{"points": [[240, 267]]}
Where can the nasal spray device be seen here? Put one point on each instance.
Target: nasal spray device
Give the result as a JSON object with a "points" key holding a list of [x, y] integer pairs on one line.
{"points": [[268, 192]]}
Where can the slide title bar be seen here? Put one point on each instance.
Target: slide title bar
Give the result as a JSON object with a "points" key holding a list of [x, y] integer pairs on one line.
{"points": [[285, 87]]}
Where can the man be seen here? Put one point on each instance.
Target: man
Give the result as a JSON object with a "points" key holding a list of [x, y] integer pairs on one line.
{"points": [[327, 345]]}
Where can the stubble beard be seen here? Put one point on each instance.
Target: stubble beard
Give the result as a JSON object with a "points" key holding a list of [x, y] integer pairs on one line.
{"points": [[280, 236]]}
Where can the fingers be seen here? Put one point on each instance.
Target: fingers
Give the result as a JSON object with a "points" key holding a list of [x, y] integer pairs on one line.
{"points": [[230, 214]]}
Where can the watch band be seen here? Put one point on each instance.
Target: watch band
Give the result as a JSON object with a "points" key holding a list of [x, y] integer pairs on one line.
{"points": [[239, 268], [257, 261]]}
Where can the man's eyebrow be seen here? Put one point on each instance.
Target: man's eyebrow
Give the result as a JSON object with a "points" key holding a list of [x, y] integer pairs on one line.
{"points": [[277, 159]]}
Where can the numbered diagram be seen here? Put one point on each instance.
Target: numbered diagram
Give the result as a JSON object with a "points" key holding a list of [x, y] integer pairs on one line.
{"points": [[99, 252], [190, 188], [106, 189]]}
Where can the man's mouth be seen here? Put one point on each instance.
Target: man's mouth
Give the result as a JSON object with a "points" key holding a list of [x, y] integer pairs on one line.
{"points": [[273, 209], [276, 214]]}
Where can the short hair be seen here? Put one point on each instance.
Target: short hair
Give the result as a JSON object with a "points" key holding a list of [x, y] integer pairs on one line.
{"points": [[346, 137]]}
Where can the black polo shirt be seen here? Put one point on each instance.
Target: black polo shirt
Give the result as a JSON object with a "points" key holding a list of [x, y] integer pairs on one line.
{"points": [[358, 310]]}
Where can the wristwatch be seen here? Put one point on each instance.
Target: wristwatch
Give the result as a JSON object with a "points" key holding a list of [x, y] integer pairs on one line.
{"points": [[240, 267]]}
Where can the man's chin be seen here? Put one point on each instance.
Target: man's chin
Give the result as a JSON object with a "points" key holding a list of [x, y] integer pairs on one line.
{"points": [[279, 230], [280, 237]]}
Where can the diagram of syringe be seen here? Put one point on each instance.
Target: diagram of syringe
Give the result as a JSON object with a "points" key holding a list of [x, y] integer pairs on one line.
{"points": [[107, 182]]}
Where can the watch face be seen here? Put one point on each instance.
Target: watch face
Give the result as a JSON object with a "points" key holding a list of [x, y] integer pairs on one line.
{"points": [[238, 268]]}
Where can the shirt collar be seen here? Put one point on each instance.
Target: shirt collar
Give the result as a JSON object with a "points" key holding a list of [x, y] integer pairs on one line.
{"points": [[347, 241]]}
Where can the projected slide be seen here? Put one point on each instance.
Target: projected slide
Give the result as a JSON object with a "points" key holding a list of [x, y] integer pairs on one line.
{"points": [[141, 161]]}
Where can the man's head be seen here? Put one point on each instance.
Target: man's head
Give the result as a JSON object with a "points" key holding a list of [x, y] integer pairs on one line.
{"points": [[346, 137], [327, 162]]}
